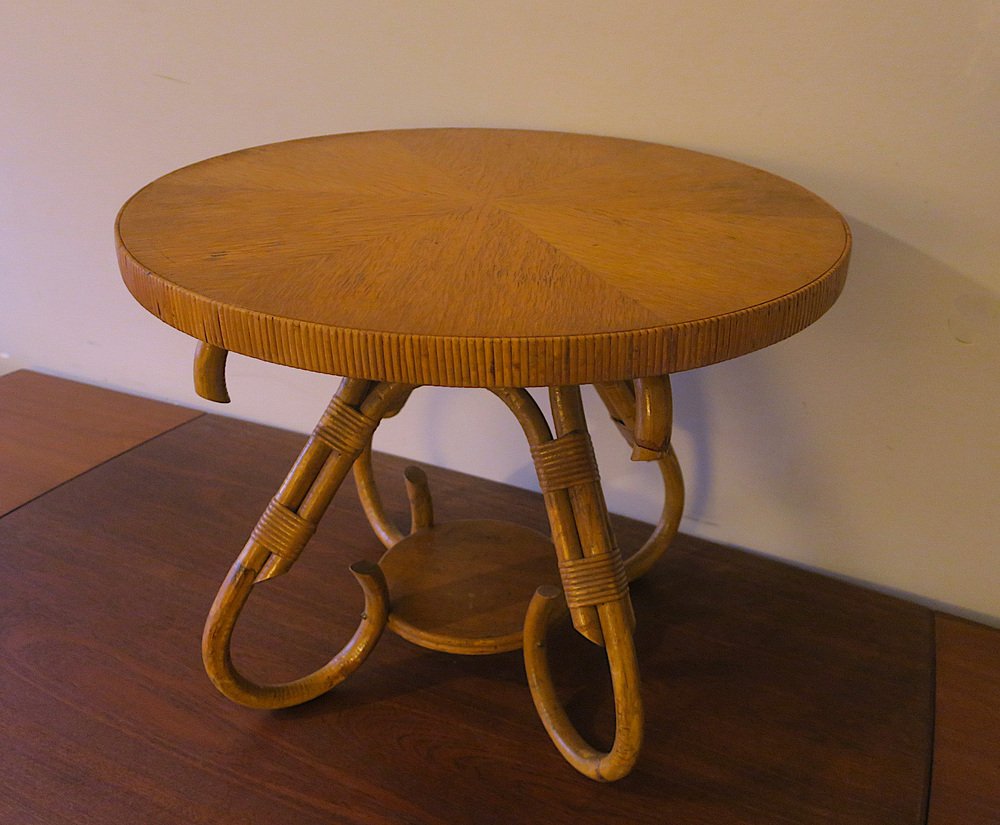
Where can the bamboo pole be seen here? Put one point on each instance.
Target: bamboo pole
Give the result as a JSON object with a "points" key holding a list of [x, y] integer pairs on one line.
{"points": [[620, 400], [371, 500], [557, 503], [282, 532], [419, 495], [210, 373]]}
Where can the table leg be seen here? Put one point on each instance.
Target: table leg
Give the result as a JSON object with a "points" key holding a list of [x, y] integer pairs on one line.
{"points": [[210, 372], [594, 582], [643, 414], [417, 491], [343, 432]]}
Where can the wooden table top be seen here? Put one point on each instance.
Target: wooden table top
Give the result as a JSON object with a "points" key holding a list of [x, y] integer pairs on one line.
{"points": [[481, 257]]}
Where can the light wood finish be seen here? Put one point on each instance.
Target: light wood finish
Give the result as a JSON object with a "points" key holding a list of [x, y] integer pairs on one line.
{"points": [[495, 258], [653, 418], [421, 505], [52, 429], [619, 760], [210, 373], [477, 258], [625, 406], [364, 479], [593, 578], [772, 695], [557, 504], [464, 586], [280, 536], [965, 782]]}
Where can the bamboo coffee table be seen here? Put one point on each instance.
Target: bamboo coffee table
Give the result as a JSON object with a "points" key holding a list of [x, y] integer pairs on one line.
{"points": [[477, 258]]}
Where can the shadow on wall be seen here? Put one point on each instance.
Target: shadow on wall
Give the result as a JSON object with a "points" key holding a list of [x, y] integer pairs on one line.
{"points": [[869, 441], [863, 445], [866, 445]]}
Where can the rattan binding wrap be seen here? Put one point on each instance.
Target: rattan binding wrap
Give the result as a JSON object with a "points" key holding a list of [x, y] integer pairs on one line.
{"points": [[283, 531], [565, 462], [593, 580], [344, 429]]}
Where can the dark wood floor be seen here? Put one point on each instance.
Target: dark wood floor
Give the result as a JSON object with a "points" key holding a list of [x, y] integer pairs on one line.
{"points": [[772, 695], [53, 430], [966, 779]]}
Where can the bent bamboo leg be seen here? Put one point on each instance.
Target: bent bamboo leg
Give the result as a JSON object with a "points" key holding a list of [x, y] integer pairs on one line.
{"points": [[280, 536], [545, 607], [595, 585], [645, 420], [417, 491], [371, 500], [210, 372], [557, 503]]}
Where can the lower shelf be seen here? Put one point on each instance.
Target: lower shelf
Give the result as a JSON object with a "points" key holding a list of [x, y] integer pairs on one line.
{"points": [[464, 586]]}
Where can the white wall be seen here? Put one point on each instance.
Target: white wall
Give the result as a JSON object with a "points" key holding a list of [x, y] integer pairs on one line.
{"points": [[868, 445]]}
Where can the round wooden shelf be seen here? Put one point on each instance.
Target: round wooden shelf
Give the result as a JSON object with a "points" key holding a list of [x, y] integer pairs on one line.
{"points": [[481, 257], [464, 586]]}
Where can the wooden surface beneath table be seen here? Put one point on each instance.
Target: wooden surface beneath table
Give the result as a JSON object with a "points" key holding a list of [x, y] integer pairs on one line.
{"points": [[773, 695], [52, 430], [966, 780]]}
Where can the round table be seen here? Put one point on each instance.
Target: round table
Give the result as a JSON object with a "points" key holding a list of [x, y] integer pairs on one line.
{"points": [[498, 259]]}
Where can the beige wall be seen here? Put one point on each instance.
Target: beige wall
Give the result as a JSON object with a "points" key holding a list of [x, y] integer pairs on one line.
{"points": [[868, 445]]}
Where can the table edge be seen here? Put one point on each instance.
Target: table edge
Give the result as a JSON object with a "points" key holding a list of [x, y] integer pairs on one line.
{"points": [[471, 361]]}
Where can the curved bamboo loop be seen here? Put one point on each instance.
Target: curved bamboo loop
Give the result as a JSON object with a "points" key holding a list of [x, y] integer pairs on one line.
{"points": [[594, 583], [419, 496], [282, 532], [557, 502], [225, 611], [620, 400], [546, 605], [371, 500], [653, 418], [382, 525]]}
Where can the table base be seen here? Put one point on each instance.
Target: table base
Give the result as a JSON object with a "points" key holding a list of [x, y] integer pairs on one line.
{"points": [[460, 587]]}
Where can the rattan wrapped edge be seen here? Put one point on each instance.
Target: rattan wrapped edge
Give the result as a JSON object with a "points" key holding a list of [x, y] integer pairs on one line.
{"points": [[468, 361]]}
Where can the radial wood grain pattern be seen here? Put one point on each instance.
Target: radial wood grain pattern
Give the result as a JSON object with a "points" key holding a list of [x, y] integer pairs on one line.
{"points": [[469, 257]]}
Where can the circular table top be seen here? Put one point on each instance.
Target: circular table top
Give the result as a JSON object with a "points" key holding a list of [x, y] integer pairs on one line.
{"points": [[481, 257]]}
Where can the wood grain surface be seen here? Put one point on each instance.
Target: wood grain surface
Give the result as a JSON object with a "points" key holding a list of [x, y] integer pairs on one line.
{"points": [[772, 695], [477, 257], [966, 781], [464, 586], [52, 429]]}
